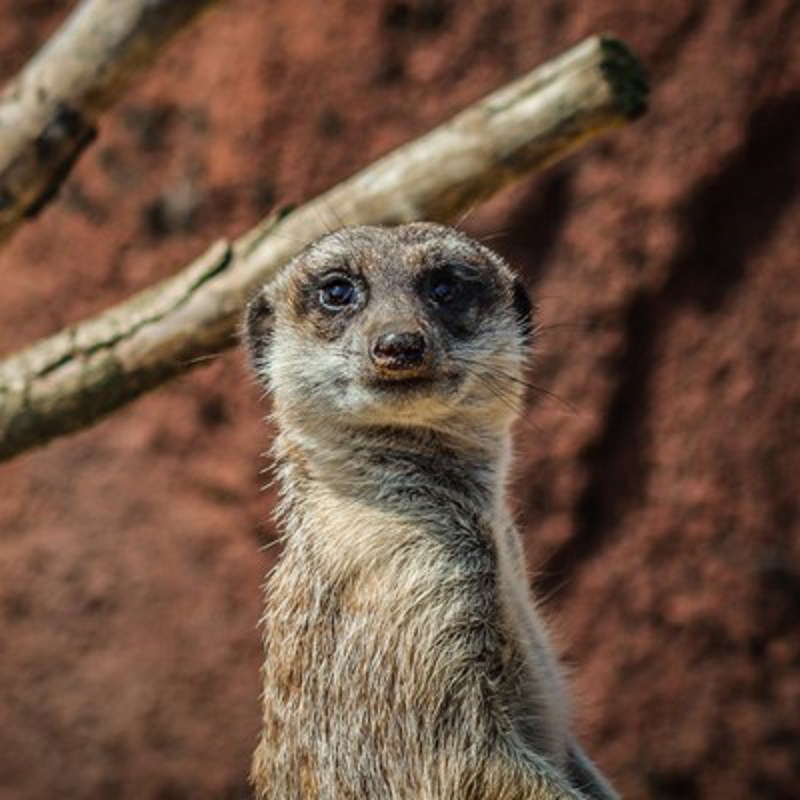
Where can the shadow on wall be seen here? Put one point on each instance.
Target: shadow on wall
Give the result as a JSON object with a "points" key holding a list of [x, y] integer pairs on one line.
{"points": [[730, 217]]}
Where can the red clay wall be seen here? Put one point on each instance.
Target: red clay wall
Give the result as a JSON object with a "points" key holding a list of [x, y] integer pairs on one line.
{"points": [[661, 515]]}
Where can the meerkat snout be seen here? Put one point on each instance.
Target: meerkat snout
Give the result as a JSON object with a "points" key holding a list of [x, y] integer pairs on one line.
{"points": [[399, 354]]}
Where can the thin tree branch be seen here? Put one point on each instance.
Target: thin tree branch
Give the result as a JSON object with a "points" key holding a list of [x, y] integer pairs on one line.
{"points": [[49, 112], [68, 381]]}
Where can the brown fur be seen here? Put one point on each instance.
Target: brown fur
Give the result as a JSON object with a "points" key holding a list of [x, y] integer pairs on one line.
{"points": [[403, 656]]}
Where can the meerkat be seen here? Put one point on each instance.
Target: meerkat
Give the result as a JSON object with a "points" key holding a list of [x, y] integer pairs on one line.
{"points": [[404, 656]]}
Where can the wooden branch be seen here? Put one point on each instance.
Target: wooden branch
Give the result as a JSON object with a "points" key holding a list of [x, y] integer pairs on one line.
{"points": [[70, 380], [49, 111]]}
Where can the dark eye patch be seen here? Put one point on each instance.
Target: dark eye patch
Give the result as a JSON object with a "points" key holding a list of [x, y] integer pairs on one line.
{"points": [[329, 301], [333, 292], [451, 285], [457, 294], [338, 292], [444, 289]]}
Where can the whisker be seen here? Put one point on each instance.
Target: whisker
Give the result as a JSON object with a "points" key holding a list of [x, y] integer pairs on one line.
{"points": [[336, 216], [318, 210], [466, 215], [491, 237], [497, 392], [199, 359], [295, 241], [545, 329], [500, 373]]}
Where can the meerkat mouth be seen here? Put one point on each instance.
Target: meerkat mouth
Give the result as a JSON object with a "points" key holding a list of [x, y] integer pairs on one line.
{"points": [[404, 385], [413, 386]]}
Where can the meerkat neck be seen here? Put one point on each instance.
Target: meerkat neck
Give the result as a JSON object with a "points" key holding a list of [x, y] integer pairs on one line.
{"points": [[372, 496], [402, 471]]}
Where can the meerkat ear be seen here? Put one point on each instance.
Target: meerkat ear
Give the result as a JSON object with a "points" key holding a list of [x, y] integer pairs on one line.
{"points": [[523, 308], [257, 329]]}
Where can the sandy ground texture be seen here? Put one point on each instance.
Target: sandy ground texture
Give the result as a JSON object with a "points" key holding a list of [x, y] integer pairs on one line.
{"points": [[660, 515]]}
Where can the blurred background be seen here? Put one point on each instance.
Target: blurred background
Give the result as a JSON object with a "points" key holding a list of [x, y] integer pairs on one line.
{"points": [[661, 514]]}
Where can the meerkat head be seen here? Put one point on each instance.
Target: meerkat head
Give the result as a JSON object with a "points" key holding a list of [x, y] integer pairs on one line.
{"points": [[410, 325]]}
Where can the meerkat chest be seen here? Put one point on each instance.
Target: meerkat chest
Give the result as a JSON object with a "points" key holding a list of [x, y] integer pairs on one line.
{"points": [[398, 647]]}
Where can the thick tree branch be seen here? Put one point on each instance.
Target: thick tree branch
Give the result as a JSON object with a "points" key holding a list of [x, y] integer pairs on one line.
{"points": [[49, 111], [73, 378]]}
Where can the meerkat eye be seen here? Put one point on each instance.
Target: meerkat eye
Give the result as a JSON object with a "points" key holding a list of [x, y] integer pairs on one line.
{"points": [[444, 288], [338, 293]]}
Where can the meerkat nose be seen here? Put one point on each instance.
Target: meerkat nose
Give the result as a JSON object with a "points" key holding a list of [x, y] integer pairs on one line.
{"points": [[398, 351]]}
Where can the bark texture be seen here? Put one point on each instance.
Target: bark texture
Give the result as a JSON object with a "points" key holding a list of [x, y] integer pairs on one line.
{"points": [[49, 112]]}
